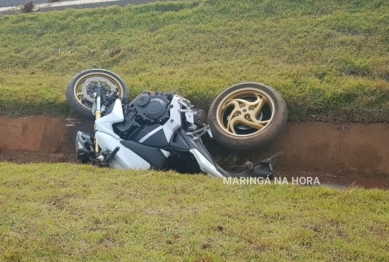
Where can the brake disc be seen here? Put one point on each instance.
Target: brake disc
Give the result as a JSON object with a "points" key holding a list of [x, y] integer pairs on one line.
{"points": [[89, 85]]}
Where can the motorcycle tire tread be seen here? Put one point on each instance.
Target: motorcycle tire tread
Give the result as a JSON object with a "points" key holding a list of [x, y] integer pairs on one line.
{"points": [[255, 141], [72, 100]]}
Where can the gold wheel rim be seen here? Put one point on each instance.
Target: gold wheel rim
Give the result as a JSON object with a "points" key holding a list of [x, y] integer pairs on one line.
{"points": [[245, 108], [105, 80]]}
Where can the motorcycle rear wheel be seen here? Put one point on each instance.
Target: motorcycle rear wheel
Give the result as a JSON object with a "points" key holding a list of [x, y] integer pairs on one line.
{"points": [[79, 92], [247, 116]]}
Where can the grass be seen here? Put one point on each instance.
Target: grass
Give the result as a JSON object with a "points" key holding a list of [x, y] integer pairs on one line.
{"points": [[81, 213], [329, 59]]}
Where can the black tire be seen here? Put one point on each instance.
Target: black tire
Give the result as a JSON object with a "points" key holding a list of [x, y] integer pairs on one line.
{"points": [[82, 104], [243, 100]]}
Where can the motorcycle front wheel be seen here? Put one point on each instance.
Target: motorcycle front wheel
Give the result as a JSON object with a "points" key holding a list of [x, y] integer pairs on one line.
{"points": [[247, 116], [79, 93]]}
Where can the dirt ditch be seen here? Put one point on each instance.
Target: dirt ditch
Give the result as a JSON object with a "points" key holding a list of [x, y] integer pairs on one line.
{"points": [[347, 154]]}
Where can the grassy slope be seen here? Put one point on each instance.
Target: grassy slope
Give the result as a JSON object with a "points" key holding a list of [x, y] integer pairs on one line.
{"points": [[72, 212], [329, 59]]}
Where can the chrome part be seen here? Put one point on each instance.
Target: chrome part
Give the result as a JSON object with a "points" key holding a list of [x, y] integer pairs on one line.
{"points": [[92, 81], [197, 134], [185, 103], [98, 116], [100, 158], [84, 88], [209, 133]]}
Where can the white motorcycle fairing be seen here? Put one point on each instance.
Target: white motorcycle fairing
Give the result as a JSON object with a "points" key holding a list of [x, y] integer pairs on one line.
{"points": [[124, 158], [108, 141], [125, 144], [105, 123]]}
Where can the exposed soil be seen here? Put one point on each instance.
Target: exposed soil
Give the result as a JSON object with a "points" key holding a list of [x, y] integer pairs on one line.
{"points": [[40, 134], [22, 157], [352, 154], [338, 181], [352, 149]]}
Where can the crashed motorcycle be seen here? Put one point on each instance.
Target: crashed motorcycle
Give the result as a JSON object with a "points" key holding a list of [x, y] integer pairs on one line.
{"points": [[157, 126]]}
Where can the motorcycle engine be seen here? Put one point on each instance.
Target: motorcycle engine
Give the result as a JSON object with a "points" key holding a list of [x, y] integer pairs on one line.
{"points": [[152, 107]]}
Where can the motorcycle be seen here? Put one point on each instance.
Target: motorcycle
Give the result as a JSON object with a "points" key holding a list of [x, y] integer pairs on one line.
{"points": [[157, 126]]}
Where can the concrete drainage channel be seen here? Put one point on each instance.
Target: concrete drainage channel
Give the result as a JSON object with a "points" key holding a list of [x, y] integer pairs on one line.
{"points": [[340, 155]]}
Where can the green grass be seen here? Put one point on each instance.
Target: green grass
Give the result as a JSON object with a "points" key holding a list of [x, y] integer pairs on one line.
{"points": [[68, 212], [329, 59]]}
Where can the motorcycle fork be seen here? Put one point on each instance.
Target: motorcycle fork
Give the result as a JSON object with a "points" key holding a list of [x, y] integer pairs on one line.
{"points": [[98, 116]]}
